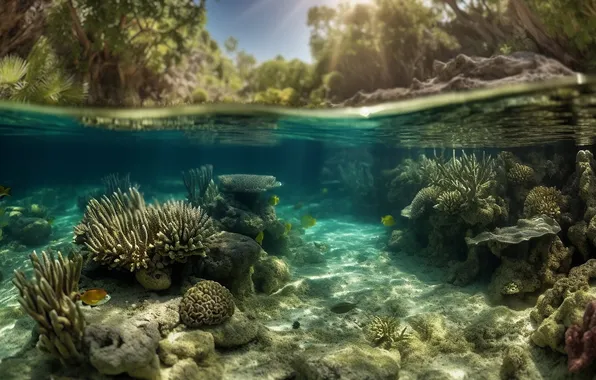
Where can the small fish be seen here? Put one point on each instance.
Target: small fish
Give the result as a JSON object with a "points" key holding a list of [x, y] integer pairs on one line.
{"points": [[298, 206], [4, 191], [307, 221], [287, 228], [325, 190], [50, 220], [343, 307], [94, 297], [259, 238], [388, 221], [274, 200]]}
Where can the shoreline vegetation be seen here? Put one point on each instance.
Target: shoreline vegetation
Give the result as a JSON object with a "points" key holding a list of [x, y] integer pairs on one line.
{"points": [[145, 53]]}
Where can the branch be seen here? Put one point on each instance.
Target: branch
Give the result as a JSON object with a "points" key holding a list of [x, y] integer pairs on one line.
{"points": [[78, 28]]}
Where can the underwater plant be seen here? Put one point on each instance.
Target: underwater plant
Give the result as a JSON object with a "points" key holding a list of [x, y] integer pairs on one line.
{"points": [[50, 300]]}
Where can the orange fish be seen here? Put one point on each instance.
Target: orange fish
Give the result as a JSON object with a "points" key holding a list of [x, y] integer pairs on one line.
{"points": [[94, 297]]}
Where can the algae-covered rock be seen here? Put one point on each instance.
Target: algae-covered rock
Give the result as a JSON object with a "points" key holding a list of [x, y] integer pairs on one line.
{"points": [[127, 348], [155, 279], [188, 369], [237, 331], [270, 274], [348, 363], [517, 364], [30, 231], [492, 328], [196, 345]]}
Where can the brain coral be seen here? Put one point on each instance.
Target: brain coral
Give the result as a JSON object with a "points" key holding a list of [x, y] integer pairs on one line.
{"points": [[543, 200], [205, 304]]}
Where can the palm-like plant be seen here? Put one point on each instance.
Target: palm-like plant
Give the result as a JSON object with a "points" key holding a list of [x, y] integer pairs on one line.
{"points": [[38, 79]]}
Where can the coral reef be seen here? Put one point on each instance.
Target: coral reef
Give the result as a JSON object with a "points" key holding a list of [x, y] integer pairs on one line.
{"points": [[543, 201], [200, 187], [580, 341], [205, 304], [50, 301]]}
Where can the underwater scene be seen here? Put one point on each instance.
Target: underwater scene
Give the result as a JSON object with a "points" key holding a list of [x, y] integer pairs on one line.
{"points": [[309, 245], [297, 189]]}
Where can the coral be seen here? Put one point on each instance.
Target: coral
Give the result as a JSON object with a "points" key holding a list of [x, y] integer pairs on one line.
{"points": [[450, 202], [551, 299], [270, 274], [586, 179], [129, 348], [514, 277], [116, 230], [577, 235], [424, 200], [543, 200], [385, 332], [551, 331], [247, 183], [113, 182], [580, 341], [50, 301], [520, 174], [120, 231], [525, 229], [154, 279], [182, 230], [206, 303], [200, 186]]}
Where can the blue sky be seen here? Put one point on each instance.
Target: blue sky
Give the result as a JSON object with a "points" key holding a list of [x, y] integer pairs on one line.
{"points": [[264, 28]]}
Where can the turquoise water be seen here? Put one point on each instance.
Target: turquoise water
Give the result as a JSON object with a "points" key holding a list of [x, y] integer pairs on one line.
{"points": [[346, 168]]}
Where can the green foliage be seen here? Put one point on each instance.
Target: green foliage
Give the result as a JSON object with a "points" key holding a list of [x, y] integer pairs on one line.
{"points": [[118, 45], [287, 97], [200, 96], [231, 44], [573, 22], [38, 79]]}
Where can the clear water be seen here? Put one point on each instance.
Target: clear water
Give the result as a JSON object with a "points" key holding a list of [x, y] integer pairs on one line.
{"points": [[52, 157]]}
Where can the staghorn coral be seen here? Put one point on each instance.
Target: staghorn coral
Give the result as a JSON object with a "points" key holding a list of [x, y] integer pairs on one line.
{"points": [[113, 182], [520, 174], [200, 186], [207, 303], [543, 200], [50, 301], [247, 183], [384, 332], [181, 230]]}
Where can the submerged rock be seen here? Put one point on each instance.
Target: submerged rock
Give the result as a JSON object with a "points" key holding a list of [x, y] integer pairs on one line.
{"points": [[237, 331], [349, 363], [30, 231], [465, 73]]}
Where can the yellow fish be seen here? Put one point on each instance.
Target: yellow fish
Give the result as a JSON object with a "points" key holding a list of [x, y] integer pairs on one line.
{"points": [[4, 191], [308, 221], [94, 297], [325, 190], [259, 238], [388, 221], [274, 200], [288, 228]]}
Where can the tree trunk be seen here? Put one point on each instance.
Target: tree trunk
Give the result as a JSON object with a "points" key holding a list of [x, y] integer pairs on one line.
{"points": [[21, 24]]}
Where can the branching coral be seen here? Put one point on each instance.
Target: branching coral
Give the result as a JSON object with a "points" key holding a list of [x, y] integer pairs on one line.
{"points": [[580, 341], [120, 231], [116, 230], [200, 186], [543, 200], [50, 301], [384, 332]]}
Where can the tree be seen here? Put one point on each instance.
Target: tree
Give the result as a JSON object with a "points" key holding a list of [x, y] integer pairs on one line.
{"points": [[121, 47], [21, 24]]}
